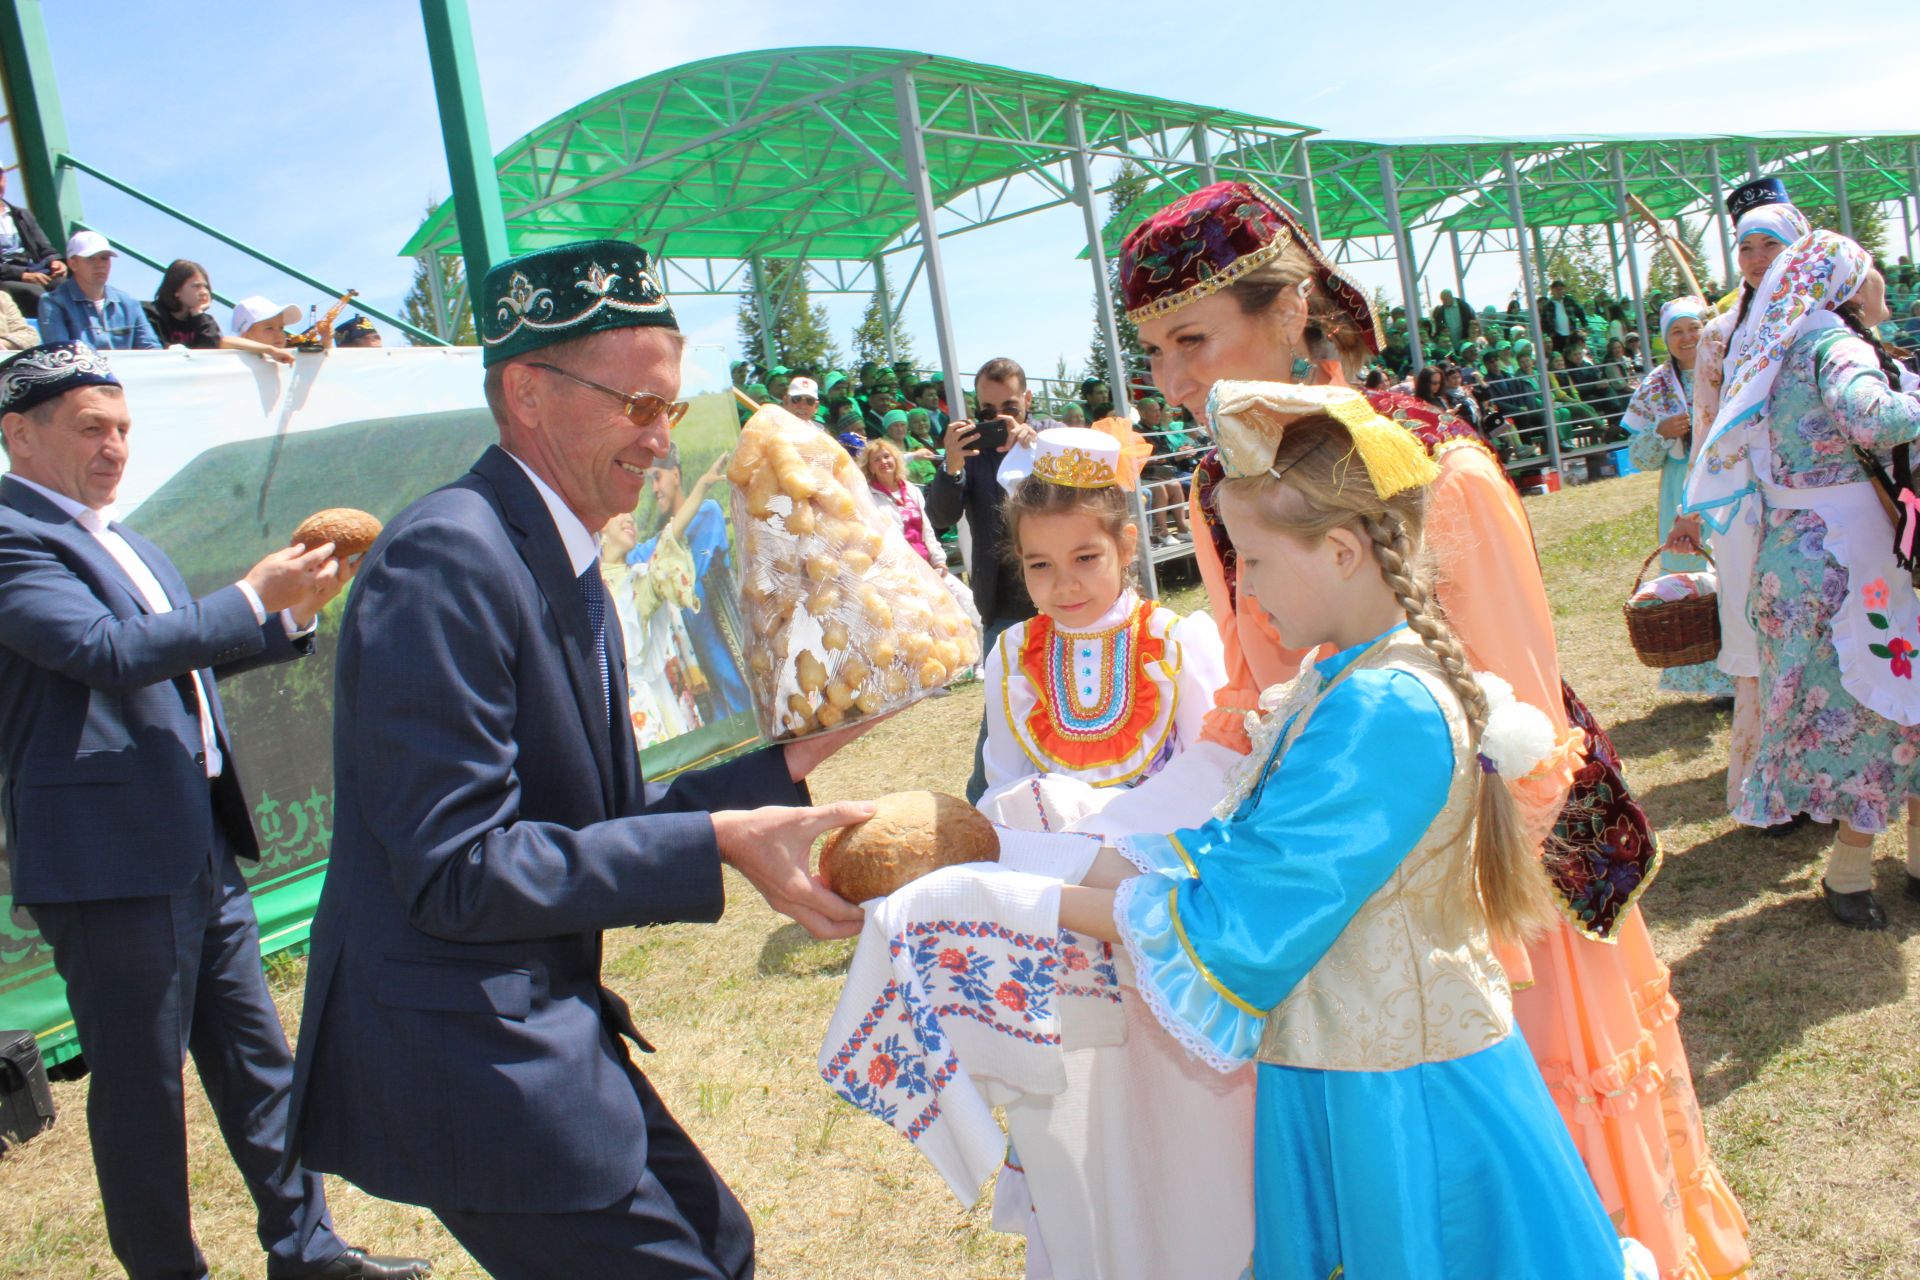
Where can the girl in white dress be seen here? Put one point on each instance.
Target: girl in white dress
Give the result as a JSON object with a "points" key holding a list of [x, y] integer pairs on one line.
{"points": [[1139, 1169], [1102, 689]]}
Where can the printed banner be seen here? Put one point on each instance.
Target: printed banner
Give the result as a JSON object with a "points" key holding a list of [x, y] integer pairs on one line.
{"points": [[231, 452]]}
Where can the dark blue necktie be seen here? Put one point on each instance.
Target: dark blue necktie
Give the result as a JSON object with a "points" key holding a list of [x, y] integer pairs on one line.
{"points": [[594, 592]]}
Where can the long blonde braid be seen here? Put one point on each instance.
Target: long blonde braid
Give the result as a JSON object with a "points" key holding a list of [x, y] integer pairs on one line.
{"points": [[1393, 548], [1508, 880], [1310, 492]]}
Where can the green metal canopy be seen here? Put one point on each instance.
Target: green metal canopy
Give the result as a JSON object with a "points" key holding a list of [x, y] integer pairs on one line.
{"points": [[794, 152], [1459, 183]]}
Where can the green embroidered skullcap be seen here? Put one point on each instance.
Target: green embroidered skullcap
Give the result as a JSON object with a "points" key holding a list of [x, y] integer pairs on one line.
{"points": [[566, 292]]}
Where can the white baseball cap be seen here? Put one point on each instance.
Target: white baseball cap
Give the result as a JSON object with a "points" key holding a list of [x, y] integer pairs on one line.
{"points": [[88, 244], [803, 387], [249, 312]]}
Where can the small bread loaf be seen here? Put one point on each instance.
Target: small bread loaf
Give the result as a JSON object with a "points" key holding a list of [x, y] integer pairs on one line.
{"points": [[351, 532], [911, 834]]}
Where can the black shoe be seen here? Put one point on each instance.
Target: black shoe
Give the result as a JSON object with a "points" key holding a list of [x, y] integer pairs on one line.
{"points": [[1913, 886], [1787, 828], [357, 1264], [1855, 910]]}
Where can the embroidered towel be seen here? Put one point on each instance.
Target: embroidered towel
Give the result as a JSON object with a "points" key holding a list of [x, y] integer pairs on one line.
{"points": [[953, 1005]]}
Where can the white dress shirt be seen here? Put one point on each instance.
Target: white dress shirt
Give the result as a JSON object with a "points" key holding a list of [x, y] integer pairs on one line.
{"points": [[100, 525], [582, 544]]}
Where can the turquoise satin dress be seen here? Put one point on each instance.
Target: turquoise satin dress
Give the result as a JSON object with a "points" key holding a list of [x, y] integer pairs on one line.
{"points": [[1458, 1170]]}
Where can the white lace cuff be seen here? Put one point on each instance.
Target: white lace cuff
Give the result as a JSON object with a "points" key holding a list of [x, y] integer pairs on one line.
{"points": [[1177, 991]]}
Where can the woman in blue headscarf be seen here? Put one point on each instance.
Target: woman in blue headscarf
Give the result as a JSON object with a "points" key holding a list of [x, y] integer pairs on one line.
{"points": [[1660, 420]]}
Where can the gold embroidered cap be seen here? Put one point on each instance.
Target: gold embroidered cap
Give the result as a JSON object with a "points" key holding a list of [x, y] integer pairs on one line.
{"points": [[1077, 457], [1250, 419]]}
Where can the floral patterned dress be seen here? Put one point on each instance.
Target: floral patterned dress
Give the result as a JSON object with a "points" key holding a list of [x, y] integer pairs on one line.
{"points": [[1822, 752], [1662, 394]]}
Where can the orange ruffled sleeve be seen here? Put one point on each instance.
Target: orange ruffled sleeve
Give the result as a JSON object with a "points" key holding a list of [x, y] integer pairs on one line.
{"points": [[1256, 659]]}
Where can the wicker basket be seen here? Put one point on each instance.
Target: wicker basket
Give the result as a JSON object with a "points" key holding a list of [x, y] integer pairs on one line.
{"points": [[1673, 633]]}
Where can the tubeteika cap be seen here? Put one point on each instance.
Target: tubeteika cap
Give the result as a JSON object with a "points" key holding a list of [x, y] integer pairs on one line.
{"points": [[52, 369], [567, 292], [1751, 195]]}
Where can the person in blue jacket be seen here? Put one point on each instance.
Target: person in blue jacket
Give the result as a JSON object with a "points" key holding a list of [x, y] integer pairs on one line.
{"points": [[458, 1048], [83, 307], [126, 823]]}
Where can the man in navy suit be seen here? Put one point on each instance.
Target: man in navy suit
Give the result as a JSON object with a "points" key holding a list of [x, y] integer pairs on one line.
{"points": [[458, 1049], [125, 819]]}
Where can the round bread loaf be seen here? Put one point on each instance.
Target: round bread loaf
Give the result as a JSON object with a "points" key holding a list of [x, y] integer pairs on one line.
{"points": [[350, 531], [911, 834]]}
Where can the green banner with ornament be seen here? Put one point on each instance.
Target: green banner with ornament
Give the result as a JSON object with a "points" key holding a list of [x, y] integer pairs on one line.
{"points": [[232, 453]]}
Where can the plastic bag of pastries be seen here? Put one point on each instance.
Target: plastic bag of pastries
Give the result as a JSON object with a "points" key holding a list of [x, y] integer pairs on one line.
{"points": [[843, 620]]}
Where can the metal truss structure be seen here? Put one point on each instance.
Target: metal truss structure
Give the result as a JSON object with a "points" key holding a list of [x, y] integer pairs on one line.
{"points": [[846, 158]]}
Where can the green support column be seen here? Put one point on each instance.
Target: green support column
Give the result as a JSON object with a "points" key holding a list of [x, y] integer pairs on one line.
{"points": [[39, 130], [463, 125]]}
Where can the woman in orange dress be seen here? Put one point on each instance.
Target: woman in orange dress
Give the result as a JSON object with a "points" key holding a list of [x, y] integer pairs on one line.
{"points": [[1226, 284]]}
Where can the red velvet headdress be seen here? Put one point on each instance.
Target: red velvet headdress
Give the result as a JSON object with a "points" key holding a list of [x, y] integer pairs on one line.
{"points": [[1203, 242]]}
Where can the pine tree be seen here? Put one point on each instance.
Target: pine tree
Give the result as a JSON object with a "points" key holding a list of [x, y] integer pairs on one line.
{"points": [[1869, 223], [1580, 259], [1664, 277], [802, 338], [417, 308], [1128, 186], [870, 335]]}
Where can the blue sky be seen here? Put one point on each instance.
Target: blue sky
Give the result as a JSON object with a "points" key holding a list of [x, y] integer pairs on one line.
{"points": [[310, 130]]}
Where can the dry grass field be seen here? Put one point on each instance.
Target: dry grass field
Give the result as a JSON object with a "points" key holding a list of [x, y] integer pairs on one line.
{"points": [[1802, 1035]]}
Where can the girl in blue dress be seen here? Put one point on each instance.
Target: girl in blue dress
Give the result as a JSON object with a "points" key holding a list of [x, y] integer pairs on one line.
{"points": [[1333, 922]]}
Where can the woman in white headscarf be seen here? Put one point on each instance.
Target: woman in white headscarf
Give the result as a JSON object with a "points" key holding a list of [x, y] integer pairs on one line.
{"points": [[1660, 420], [1763, 234], [1810, 409]]}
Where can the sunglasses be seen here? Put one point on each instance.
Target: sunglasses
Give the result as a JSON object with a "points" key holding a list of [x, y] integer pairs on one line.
{"points": [[642, 407]]}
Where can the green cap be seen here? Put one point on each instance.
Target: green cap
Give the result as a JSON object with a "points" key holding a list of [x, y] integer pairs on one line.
{"points": [[892, 416], [567, 292], [758, 390]]}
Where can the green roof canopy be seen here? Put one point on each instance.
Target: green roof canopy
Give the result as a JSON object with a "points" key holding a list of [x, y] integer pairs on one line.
{"points": [[794, 152], [1459, 183]]}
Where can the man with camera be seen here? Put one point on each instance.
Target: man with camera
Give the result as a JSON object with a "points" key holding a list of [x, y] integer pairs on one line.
{"points": [[969, 485]]}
